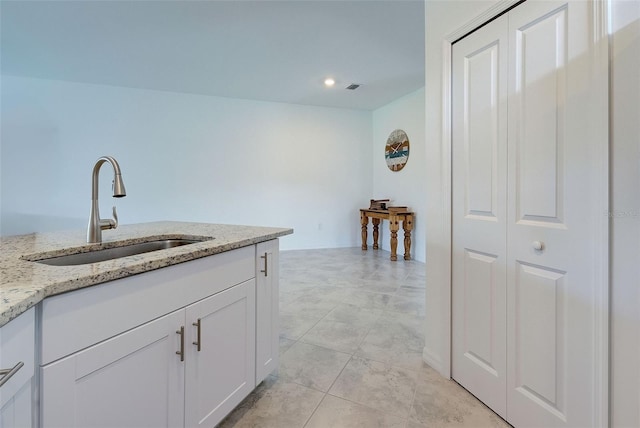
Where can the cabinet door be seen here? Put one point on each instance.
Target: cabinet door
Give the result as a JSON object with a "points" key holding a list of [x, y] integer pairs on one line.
{"points": [[220, 359], [16, 412], [134, 379], [17, 345], [267, 310]]}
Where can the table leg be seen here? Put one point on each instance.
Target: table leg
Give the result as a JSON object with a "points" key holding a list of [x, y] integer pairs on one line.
{"points": [[393, 227], [376, 228], [364, 220], [407, 226]]}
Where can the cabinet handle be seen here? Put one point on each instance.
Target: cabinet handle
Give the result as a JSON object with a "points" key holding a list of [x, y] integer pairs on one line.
{"points": [[265, 264], [181, 351], [8, 373], [197, 342]]}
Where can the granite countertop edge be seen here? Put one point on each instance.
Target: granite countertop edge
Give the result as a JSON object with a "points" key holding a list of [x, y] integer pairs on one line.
{"points": [[24, 283]]}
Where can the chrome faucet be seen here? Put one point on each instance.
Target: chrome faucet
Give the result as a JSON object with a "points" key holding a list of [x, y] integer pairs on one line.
{"points": [[97, 224]]}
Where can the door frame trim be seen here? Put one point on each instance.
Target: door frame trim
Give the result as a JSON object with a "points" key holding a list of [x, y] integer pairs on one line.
{"points": [[600, 13]]}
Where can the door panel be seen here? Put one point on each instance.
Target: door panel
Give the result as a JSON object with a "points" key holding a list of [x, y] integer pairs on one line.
{"points": [[550, 230], [540, 334], [480, 281], [540, 57], [481, 94], [479, 214]]}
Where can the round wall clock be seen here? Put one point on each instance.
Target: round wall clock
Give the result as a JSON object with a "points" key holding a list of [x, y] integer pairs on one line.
{"points": [[396, 152]]}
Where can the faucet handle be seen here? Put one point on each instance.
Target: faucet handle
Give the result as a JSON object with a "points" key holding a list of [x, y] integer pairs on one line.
{"points": [[115, 218], [107, 223]]}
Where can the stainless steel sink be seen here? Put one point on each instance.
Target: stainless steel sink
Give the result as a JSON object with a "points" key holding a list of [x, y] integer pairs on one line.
{"points": [[104, 254]]}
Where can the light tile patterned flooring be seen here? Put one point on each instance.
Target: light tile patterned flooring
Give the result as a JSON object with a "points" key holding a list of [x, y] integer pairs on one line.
{"points": [[351, 350]]}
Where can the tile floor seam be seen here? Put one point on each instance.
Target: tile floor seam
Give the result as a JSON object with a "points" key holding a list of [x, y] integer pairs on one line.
{"points": [[301, 384], [413, 400], [366, 335], [368, 407], [314, 410], [363, 404], [386, 363], [305, 333], [333, 349], [294, 342], [302, 335], [339, 374]]}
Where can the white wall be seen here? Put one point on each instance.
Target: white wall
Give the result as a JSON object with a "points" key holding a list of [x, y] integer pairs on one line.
{"points": [[625, 215], [183, 157], [442, 18], [404, 187]]}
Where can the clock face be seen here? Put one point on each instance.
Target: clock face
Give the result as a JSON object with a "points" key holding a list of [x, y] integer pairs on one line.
{"points": [[396, 152]]}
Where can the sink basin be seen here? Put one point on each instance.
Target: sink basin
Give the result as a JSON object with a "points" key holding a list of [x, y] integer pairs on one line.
{"points": [[104, 254]]}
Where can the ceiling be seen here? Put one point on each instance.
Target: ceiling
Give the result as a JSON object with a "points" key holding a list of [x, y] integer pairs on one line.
{"points": [[260, 50]]}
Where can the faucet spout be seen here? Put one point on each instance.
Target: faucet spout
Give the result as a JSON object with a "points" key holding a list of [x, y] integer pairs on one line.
{"points": [[96, 224]]}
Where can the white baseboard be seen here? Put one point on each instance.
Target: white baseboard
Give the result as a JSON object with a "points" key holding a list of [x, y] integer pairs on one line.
{"points": [[434, 362]]}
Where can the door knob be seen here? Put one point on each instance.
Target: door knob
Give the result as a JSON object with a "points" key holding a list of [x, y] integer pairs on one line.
{"points": [[538, 245]]}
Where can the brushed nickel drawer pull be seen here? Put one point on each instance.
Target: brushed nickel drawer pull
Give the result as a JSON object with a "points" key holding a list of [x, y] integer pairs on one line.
{"points": [[181, 351], [198, 340], [8, 373], [265, 264]]}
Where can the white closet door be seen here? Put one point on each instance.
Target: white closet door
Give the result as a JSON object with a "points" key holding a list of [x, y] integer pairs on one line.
{"points": [[552, 217], [479, 213], [526, 260]]}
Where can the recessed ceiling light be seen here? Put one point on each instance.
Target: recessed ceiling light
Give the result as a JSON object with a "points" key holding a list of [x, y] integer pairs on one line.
{"points": [[329, 82]]}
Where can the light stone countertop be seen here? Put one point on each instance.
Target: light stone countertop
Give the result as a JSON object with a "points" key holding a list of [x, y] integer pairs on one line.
{"points": [[24, 283]]}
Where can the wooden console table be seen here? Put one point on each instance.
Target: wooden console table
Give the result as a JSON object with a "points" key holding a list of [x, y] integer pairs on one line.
{"points": [[394, 217]]}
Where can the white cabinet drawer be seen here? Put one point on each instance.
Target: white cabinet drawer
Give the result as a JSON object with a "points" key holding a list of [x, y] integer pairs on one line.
{"points": [[76, 320]]}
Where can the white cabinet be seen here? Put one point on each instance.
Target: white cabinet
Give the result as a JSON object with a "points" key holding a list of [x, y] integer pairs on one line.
{"points": [[134, 379], [267, 310], [17, 343], [219, 354], [149, 376], [172, 347]]}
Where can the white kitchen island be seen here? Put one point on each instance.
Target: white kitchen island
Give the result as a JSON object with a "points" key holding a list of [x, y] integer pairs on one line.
{"points": [[175, 337]]}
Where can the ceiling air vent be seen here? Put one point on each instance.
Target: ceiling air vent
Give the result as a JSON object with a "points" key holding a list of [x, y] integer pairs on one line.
{"points": [[353, 86]]}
